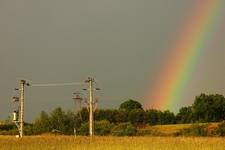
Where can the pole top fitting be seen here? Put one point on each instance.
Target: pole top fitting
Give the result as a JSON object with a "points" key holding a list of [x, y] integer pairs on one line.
{"points": [[25, 82], [90, 79]]}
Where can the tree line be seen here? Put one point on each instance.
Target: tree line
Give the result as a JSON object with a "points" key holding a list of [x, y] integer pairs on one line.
{"points": [[206, 108], [128, 117]]}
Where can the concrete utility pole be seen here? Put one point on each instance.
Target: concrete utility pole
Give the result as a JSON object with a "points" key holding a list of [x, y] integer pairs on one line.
{"points": [[92, 104], [91, 113], [20, 113], [21, 121]]}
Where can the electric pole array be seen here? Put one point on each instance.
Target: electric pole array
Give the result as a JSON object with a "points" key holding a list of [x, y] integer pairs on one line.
{"points": [[18, 115]]}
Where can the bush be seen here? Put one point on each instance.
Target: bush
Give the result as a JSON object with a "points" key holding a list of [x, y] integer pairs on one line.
{"points": [[9, 132], [84, 129], [221, 129], [195, 130], [7, 127], [29, 130], [103, 127], [124, 129]]}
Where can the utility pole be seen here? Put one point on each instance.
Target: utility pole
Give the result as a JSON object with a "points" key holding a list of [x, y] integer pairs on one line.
{"points": [[77, 100], [78, 103], [91, 113], [92, 104], [20, 122], [22, 84]]}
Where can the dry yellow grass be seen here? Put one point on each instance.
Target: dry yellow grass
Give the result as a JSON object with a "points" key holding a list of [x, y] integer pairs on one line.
{"points": [[111, 143], [169, 130], [172, 129]]}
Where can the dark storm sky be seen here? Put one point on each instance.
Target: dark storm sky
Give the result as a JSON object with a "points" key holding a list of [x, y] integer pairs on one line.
{"points": [[123, 43]]}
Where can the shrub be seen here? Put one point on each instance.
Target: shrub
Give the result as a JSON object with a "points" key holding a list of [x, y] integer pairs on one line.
{"points": [[11, 129], [84, 129], [7, 127], [195, 130], [29, 130], [124, 129], [9, 132], [211, 130], [103, 127], [221, 129]]}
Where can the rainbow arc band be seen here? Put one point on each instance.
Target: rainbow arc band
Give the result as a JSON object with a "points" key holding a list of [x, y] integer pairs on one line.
{"points": [[184, 55]]}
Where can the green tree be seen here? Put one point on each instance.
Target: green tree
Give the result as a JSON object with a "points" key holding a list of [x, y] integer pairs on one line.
{"points": [[137, 116], [84, 114], [106, 114], [130, 105], [70, 122], [208, 108], [121, 116], [42, 123], [57, 119], [185, 115], [167, 117], [153, 116]]}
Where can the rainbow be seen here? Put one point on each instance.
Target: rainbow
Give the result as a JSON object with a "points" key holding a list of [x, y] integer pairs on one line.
{"points": [[184, 55]]}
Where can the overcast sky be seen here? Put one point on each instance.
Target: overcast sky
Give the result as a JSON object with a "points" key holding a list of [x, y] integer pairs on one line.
{"points": [[122, 43]]}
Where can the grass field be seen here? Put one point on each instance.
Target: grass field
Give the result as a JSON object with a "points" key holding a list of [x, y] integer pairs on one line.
{"points": [[168, 130], [111, 143]]}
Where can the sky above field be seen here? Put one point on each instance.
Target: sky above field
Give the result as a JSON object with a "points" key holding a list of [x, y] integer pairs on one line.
{"points": [[123, 44]]}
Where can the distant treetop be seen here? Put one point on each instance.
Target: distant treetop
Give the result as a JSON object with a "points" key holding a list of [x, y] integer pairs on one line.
{"points": [[131, 105]]}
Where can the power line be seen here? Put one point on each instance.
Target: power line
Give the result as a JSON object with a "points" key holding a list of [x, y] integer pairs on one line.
{"points": [[57, 84]]}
